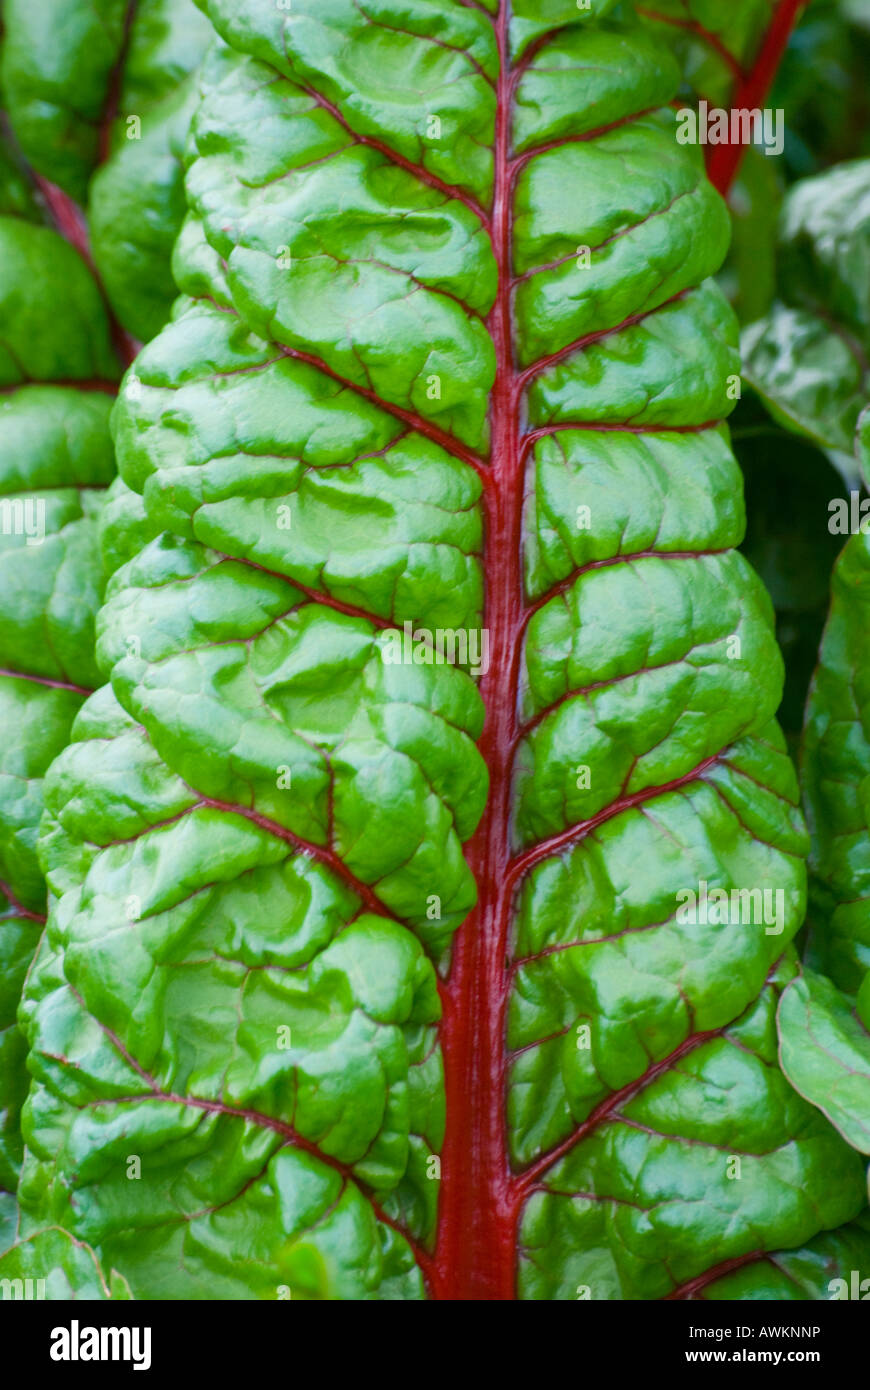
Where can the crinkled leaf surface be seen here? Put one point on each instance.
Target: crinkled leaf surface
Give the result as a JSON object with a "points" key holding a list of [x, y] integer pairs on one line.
{"points": [[370, 951], [812, 1272]]}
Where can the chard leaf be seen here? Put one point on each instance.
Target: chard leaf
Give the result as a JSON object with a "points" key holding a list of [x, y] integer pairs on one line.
{"points": [[403, 971], [826, 1052], [56, 458], [716, 47], [807, 358], [810, 368], [99, 95], [823, 1022], [73, 72]]}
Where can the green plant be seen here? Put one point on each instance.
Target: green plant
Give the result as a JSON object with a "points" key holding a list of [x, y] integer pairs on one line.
{"points": [[99, 94], [426, 877], [807, 361], [59, 368]]}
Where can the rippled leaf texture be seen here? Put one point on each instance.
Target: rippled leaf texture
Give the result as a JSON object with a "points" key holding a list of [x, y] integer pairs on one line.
{"points": [[55, 457], [100, 94], [365, 979], [807, 358]]}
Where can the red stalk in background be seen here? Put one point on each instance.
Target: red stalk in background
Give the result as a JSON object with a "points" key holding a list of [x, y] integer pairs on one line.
{"points": [[724, 160]]}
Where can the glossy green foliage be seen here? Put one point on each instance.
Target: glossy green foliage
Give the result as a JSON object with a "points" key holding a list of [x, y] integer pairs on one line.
{"points": [[807, 358], [826, 1052], [807, 361], [825, 1022], [55, 324], [99, 95], [817, 1271], [256, 836], [789, 484], [135, 209], [55, 457]]}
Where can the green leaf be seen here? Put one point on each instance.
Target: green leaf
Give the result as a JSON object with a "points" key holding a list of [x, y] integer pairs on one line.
{"points": [[49, 1263], [56, 458], [823, 1269], [713, 44], [835, 773], [73, 71], [99, 96], [810, 377], [825, 1051], [56, 327], [808, 358], [367, 974], [135, 210], [820, 379]]}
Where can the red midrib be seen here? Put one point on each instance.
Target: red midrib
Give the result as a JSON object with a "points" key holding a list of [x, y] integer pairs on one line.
{"points": [[476, 1245], [480, 1197]]}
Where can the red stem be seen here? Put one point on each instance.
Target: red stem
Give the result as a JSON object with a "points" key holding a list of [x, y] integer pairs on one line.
{"points": [[476, 1246], [113, 91], [69, 221], [18, 908], [724, 160], [481, 1198], [709, 1276]]}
